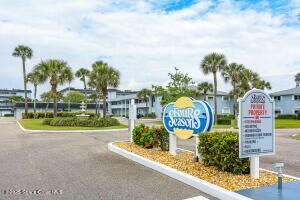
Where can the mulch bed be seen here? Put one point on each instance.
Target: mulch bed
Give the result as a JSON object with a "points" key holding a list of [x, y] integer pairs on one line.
{"points": [[184, 162]]}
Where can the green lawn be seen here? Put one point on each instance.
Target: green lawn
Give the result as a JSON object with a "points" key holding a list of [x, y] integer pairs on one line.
{"points": [[36, 124], [287, 123], [279, 123], [295, 136]]}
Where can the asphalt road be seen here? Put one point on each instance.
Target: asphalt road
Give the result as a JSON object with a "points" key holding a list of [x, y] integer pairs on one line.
{"points": [[76, 166]]}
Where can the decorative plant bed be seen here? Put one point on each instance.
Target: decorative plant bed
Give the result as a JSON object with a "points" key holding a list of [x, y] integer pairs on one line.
{"points": [[184, 162]]}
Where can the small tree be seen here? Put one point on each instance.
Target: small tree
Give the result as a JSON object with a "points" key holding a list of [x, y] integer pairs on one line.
{"points": [[144, 95], [36, 78], [204, 88], [103, 76], [24, 53], [211, 64], [58, 72], [178, 86], [74, 97], [82, 74]]}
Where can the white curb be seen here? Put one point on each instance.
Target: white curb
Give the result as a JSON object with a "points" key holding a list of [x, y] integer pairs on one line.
{"points": [[69, 131], [200, 184]]}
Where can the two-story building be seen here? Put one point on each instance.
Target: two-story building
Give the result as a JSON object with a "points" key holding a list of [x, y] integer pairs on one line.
{"points": [[287, 101], [6, 107]]}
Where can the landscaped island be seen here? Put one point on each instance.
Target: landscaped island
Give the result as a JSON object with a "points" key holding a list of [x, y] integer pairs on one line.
{"points": [[220, 163]]}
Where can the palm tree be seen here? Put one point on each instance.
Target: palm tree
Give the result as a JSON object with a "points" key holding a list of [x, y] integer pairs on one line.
{"points": [[144, 95], [232, 74], [204, 88], [297, 79], [58, 72], [103, 76], [25, 53], [82, 74], [36, 78], [213, 63]]}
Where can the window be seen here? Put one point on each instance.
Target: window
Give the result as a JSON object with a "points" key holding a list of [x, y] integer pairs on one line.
{"points": [[225, 98], [297, 97], [225, 110], [277, 98], [277, 111], [210, 98]]}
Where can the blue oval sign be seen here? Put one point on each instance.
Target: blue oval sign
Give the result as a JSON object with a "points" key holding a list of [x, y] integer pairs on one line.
{"points": [[187, 117]]}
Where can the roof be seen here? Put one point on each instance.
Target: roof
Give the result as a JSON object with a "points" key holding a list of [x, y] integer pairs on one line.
{"points": [[14, 90], [292, 91], [92, 90], [221, 93], [59, 105]]}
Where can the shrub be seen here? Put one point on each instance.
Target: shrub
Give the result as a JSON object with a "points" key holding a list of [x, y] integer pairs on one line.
{"points": [[38, 115], [285, 116], [226, 117], [298, 116], [147, 139], [8, 115], [161, 138], [221, 149], [150, 115], [137, 133], [151, 137], [75, 121], [224, 121]]}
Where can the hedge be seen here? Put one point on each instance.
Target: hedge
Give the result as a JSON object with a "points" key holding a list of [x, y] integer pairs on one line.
{"points": [[75, 121], [221, 149], [224, 121], [148, 137], [225, 117], [50, 114], [8, 115], [286, 116], [150, 115]]}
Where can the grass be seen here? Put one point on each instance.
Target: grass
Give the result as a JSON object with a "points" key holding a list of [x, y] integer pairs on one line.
{"points": [[295, 136], [37, 124], [287, 123], [279, 123]]}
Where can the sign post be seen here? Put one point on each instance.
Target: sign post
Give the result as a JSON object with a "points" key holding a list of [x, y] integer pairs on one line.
{"points": [[132, 117], [256, 128], [186, 118]]}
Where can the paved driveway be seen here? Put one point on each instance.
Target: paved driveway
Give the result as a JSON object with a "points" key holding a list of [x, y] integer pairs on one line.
{"points": [[76, 166]]}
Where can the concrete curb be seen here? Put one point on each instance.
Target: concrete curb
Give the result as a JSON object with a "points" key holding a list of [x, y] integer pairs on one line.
{"points": [[200, 184], [68, 131]]}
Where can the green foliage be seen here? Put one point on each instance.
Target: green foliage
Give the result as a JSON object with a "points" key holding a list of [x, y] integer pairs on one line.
{"points": [[74, 97], [88, 122], [50, 114], [223, 121], [298, 116], [205, 87], [15, 99], [286, 116], [8, 115], [226, 116], [150, 115], [221, 149], [178, 86], [151, 137], [161, 138]]}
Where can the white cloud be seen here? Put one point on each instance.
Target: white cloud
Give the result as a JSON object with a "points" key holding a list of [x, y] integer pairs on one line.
{"points": [[143, 42]]}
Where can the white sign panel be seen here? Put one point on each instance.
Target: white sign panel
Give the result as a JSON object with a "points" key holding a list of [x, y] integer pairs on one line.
{"points": [[256, 124]]}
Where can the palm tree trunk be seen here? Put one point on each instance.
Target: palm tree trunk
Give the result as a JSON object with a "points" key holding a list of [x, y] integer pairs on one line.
{"points": [[54, 93], [34, 101], [215, 98], [84, 84], [104, 102], [234, 101], [25, 87]]}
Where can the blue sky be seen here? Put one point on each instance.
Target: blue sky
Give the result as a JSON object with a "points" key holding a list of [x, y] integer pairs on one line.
{"points": [[146, 39]]}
